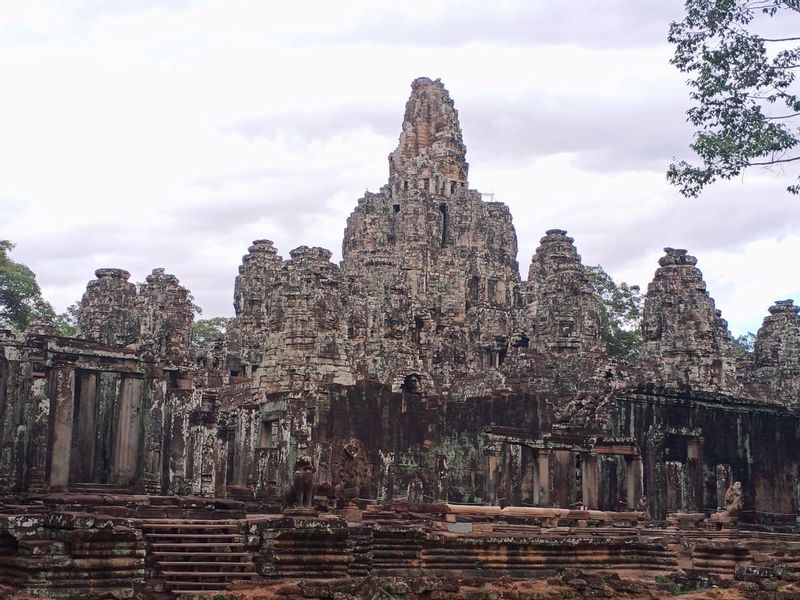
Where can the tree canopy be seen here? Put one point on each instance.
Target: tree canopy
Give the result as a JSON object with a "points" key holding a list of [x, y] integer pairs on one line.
{"points": [[745, 111], [205, 331], [20, 296], [620, 309]]}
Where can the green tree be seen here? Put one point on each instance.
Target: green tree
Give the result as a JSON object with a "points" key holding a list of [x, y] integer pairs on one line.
{"points": [[745, 110], [620, 309], [67, 322], [20, 296], [205, 331], [744, 344]]}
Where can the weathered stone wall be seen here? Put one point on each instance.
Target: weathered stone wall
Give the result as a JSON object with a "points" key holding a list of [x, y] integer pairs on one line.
{"points": [[166, 316], [561, 311], [693, 446], [776, 357], [421, 368], [108, 309], [252, 296], [686, 341], [430, 268]]}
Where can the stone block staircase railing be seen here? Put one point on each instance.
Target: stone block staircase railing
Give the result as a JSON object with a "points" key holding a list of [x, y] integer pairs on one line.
{"points": [[195, 556]]}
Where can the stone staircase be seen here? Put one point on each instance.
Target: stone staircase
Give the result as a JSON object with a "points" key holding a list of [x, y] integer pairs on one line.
{"points": [[196, 556], [102, 489]]}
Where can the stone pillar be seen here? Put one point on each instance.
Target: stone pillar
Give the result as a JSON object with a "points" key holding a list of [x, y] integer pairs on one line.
{"points": [[440, 479], [724, 480], [154, 435], [633, 481], [84, 434], [563, 477], [542, 483], [589, 480], [492, 474], [655, 468], [62, 393], [40, 433], [128, 433], [694, 474], [515, 475]]}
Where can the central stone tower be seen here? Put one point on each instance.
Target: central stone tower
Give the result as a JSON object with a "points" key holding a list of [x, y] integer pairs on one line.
{"points": [[430, 268]]}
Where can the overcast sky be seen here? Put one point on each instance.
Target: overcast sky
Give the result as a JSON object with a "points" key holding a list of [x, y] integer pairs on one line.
{"points": [[144, 133]]}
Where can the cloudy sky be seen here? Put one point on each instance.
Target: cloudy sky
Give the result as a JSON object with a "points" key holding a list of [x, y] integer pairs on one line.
{"points": [[145, 133]]}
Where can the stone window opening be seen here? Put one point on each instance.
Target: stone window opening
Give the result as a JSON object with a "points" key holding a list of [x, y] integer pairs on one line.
{"points": [[269, 434], [412, 384], [443, 210], [396, 208], [419, 325]]}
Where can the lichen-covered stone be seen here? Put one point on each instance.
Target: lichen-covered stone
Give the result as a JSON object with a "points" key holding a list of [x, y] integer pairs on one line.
{"points": [[252, 298], [420, 370], [305, 341], [430, 267], [166, 314], [686, 340], [561, 309], [776, 354], [108, 312]]}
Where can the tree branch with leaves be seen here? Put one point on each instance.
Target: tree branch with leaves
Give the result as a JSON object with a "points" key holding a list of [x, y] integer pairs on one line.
{"points": [[743, 89]]}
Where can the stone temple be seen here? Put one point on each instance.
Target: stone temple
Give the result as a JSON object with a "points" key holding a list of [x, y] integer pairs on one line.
{"points": [[417, 410]]}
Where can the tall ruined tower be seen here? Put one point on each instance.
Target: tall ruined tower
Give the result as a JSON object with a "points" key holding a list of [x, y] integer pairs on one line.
{"points": [[686, 340], [430, 267]]}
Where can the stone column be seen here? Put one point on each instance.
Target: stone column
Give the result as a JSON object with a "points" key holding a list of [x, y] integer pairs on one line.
{"points": [[694, 474], [62, 394], [40, 433], [655, 468], [492, 455], [154, 435], [633, 482], [563, 477], [724, 480], [542, 483], [128, 433], [84, 441], [589, 480], [440, 479]]}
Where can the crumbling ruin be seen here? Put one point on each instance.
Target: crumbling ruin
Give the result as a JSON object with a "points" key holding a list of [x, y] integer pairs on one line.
{"points": [[449, 413]]}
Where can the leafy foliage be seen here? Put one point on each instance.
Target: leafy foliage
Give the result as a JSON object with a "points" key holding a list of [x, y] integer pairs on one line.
{"points": [[205, 331], [620, 309], [20, 296], [744, 344], [67, 322], [745, 111]]}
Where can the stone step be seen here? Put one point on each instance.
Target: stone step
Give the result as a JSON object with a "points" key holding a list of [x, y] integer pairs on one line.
{"points": [[197, 545], [182, 521], [205, 589], [156, 527], [196, 563], [159, 554], [194, 535], [170, 575], [198, 555]]}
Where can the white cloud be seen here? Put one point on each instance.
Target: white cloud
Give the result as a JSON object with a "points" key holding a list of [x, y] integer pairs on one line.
{"points": [[148, 133]]}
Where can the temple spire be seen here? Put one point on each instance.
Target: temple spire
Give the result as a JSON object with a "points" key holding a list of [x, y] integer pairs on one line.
{"points": [[431, 153]]}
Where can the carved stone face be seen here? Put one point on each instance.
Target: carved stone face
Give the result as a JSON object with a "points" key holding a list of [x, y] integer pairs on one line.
{"points": [[302, 463], [652, 327]]}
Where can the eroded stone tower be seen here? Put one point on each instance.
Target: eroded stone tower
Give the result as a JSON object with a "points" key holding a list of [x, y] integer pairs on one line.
{"points": [[429, 266]]}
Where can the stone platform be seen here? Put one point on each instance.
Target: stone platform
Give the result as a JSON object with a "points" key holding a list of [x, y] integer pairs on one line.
{"points": [[69, 546]]}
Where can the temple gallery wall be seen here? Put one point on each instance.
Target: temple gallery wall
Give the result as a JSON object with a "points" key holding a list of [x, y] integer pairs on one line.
{"points": [[421, 370]]}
